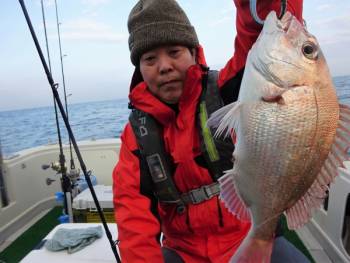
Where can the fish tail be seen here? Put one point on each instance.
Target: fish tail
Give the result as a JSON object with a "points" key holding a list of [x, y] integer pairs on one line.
{"points": [[253, 250]]}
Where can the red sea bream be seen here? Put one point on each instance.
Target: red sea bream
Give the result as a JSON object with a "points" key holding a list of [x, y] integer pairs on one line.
{"points": [[291, 132]]}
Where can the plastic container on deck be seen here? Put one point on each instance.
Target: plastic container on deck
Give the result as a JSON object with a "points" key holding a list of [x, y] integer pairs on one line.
{"points": [[82, 184], [84, 208]]}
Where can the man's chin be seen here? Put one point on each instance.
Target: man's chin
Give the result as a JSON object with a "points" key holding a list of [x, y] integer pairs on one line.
{"points": [[172, 100]]}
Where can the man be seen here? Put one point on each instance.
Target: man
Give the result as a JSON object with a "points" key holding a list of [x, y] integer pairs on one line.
{"points": [[166, 182]]}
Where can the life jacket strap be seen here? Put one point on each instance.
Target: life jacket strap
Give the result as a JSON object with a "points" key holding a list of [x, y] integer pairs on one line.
{"points": [[201, 194]]}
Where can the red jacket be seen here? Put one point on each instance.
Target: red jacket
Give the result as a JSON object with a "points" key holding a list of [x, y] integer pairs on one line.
{"points": [[197, 235]]}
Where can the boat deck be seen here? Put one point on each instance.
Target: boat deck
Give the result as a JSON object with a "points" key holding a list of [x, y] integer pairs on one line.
{"points": [[313, 246]]}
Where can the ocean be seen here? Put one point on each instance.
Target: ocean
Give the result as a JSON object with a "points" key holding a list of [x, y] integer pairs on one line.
{"points": [[27, 128]]}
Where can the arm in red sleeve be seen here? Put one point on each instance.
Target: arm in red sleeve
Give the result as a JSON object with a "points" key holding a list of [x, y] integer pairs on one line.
{"points": [[248, 31], [138, 228]]}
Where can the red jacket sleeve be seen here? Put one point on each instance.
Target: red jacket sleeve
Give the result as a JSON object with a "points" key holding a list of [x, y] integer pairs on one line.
{"points": [[138, 228], [248, 31]]}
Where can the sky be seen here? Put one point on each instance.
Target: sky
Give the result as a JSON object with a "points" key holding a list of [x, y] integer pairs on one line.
{"points": [[94, 40]]}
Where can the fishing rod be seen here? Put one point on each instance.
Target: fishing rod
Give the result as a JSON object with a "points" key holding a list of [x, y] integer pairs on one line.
{"points": [[69, 129], [72, 165], [65, 181]]}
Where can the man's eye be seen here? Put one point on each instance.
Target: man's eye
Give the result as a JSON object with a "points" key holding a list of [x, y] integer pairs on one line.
{"points": [[149, 58], [174, 52]]}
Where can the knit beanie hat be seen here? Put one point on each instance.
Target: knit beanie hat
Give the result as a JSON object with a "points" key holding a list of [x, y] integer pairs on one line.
{"points": [[153, 23]]}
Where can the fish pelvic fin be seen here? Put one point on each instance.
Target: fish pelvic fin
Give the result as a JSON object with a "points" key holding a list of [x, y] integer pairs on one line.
{"points": [[301, 212], [253, 250], [225, 119], [230, 197]]}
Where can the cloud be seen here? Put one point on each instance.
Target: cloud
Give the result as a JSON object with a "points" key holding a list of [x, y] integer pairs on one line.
{"points": [[94, 3], [324, 7], [226, 15], [228, 10], [47, 3], [94, 36], [220, 21], [89, 29], [334, 30], [92, 7]]}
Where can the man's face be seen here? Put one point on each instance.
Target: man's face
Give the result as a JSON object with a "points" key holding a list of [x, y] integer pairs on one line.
{"points": [[164, 70]]}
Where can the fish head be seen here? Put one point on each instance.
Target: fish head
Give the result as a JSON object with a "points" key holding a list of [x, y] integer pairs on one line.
{"points": [[286, 56]]}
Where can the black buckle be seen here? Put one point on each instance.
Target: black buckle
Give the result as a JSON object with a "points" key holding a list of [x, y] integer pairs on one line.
{"points": [[198, 195], [201, 194], [207, 190]]}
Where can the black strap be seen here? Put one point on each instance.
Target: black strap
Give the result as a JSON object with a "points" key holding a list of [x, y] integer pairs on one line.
{"points": [[201, 194], [151, 145], [211, 97]]}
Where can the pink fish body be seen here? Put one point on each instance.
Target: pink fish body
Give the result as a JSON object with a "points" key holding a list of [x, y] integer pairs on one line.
{"points": [[291, 135]]}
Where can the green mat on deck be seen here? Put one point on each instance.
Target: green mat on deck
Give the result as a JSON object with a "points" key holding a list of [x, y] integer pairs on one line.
{"points": [[31, 238]]}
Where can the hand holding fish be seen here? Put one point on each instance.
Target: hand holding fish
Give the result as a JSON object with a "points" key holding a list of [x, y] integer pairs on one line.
{"points": [[292, 134]]}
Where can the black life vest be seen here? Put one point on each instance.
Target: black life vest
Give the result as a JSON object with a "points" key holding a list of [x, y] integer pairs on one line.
{"points": [[216, 152]]}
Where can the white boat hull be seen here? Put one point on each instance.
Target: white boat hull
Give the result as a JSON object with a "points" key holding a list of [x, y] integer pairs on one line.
{"points": [[30, 195], [25, 180]]}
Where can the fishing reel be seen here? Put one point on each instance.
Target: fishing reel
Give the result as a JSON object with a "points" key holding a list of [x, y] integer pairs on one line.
{"points": [[56, 166], [73, 174]]}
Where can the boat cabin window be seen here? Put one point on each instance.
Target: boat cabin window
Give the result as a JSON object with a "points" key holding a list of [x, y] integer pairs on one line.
{"points": [[3, 190], [346, 227], [325, 203]]}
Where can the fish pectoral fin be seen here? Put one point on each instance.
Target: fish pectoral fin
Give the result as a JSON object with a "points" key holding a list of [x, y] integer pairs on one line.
{"points": [[301, 212], [225, 119], [230, 197]]}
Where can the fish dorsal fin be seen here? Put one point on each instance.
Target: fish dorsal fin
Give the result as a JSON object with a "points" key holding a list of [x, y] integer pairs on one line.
{"points": [[225, 119], [230, 197], [301, 212]]}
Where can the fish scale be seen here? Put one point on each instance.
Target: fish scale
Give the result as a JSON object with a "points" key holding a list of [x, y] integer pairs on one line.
{"points": [[260, 141]]}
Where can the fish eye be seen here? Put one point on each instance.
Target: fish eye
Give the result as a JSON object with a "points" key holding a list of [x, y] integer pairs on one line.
{"points": [[309, 50]]}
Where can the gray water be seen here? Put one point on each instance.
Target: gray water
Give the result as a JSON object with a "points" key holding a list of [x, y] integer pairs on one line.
{"points": [[27, 128]]}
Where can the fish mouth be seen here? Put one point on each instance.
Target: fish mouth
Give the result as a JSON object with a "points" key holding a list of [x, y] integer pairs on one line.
{"points": [[288, 23]]}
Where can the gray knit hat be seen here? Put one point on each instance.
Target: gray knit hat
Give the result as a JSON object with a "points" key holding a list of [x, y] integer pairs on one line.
{"points": [[153, 23]]}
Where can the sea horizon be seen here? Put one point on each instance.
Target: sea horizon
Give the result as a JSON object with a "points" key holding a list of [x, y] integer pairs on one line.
{"points": [[30, 127], [334, 78], [62, 100]]}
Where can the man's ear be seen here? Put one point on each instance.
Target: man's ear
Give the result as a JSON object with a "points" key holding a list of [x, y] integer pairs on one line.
{"points": [[194, 53], [136, 78]]}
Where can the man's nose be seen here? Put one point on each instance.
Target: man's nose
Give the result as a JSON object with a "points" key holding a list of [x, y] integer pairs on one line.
{"points": [[165, 65]]}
